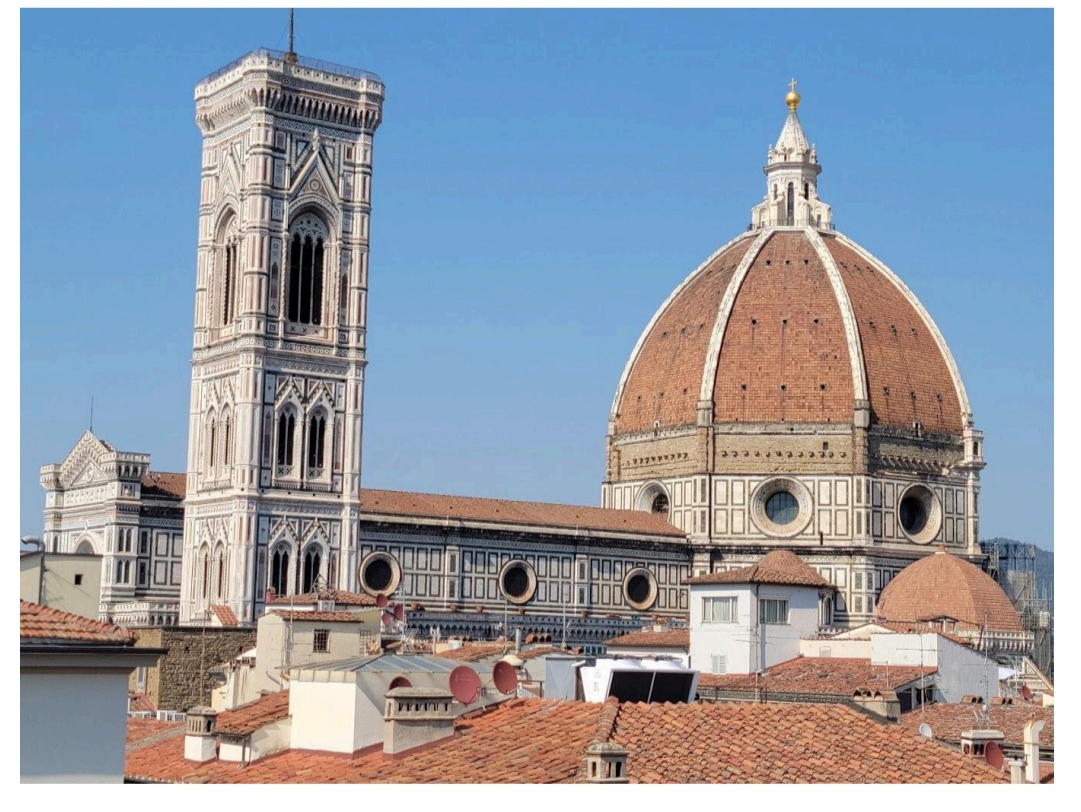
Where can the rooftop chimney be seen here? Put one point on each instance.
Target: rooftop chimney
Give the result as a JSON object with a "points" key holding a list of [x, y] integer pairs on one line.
{"points": [[973, 742], [883, 704], [199, 742], [1032, 750], [416, 716], [606, 763]]}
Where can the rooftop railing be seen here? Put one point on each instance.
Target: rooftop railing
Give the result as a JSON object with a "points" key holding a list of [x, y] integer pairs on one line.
{"points": [[793, 222], [311, 64]]}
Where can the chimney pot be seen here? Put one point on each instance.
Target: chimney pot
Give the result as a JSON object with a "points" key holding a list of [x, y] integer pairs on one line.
{"points": [[416, 716], [606, 763], [200, 742]]}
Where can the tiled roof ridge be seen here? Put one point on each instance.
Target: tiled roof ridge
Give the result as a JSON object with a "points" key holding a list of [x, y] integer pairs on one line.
{"points": [[43, 623]]}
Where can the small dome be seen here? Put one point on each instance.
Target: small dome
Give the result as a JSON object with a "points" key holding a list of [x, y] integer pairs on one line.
{"points": [[942, 585]]}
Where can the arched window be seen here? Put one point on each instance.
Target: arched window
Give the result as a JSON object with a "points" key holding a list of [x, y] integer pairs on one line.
{"points": [[791, 205], [317, 430], [211, 439], [227, 437], [204, 572], [806, 191], [279, 571], [228, 261], [343, 300], [219, 572], [306, 253], [312, 561], [286, 428]]}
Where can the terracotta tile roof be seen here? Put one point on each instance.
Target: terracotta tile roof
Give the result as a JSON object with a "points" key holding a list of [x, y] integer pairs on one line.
{"points": [[40, 625], [1047, 772], [900, 353], [949, 721], [922, 628], [666, 376], [475, 652], [785, 311], [140, 702], [777, 567], [144, 732], [225, 614], [521, 741], [825, 676], [943, 585], [165, 484], [745, 742], [246, 719], [505, 511], [319, 617], [339, 596], [669, 638]]}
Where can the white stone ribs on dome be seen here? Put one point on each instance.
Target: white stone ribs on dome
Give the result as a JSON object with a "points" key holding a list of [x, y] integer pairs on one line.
{"points": [[716, 338], [616, 401], [962, 396], [848, 316]]}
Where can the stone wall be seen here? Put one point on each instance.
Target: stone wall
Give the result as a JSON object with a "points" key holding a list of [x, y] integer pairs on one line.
{"points": [[179, 681]]}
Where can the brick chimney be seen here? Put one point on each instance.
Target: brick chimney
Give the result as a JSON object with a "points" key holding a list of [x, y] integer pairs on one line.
{"points": [[416, 716], [200, 742], [606, 763], [883, 704]]}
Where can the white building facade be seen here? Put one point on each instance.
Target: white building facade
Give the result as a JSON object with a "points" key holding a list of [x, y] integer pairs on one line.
{"points": [[277, 393]]}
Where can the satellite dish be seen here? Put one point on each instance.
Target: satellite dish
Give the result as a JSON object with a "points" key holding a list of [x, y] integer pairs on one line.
{"points": [[399, 612], [381, 600], [925, 731], [505, 677], [993, 753], [464, 684], [400, 682], [1026, 694], [388, 618]]}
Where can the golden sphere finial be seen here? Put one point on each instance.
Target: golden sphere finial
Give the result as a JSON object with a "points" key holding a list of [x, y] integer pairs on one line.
{"points": [[792, 98]]}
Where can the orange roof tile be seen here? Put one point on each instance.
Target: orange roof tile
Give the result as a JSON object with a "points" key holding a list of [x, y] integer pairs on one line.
{"points": [[825, 676], [339, 596], [165, 484], [246, 719], [943, 585], [530, 741], [751, 743], [777, 567], [949, 721], [225, 614], [145, 732], [319, 617], [42, 624], [505, 511], [669, 638]]}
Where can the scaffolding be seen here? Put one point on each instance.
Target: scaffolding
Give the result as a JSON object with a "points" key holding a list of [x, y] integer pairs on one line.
{"points": [[1013, 566]]}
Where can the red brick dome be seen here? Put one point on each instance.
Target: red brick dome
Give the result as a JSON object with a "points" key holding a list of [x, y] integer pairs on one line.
{"points": [[942, 585], [791, 324]]}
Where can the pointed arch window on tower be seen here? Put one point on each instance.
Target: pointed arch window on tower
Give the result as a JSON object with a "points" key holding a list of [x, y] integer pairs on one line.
{"points": [[317, 431], [313, 559], [279, 571], [219, 572], [790, 210], [204, 572], [286, 431], [306, 257], [227, 438], [228, 263], [212, 440]]}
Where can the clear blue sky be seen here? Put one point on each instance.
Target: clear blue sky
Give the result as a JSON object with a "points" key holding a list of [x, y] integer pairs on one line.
{"points": [[542, 180]]}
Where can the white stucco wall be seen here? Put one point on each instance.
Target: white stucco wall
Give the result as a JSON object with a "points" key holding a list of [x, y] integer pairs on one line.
{"points": [[776, 642], [59, 589], [816, 647], [333, 716], [961, 671], [72, 726]]}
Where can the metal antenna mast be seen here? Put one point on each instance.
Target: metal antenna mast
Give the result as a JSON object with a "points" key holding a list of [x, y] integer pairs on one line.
{"points": [[290, 55]]}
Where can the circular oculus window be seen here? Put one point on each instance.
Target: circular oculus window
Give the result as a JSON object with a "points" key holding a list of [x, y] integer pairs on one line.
{"points": [[379, 573], [919, 514], [517, 582], [781, 507], [640, 589]]}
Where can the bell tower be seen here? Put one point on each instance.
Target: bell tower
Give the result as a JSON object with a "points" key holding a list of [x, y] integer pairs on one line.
{"points": [[277, 393]]}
